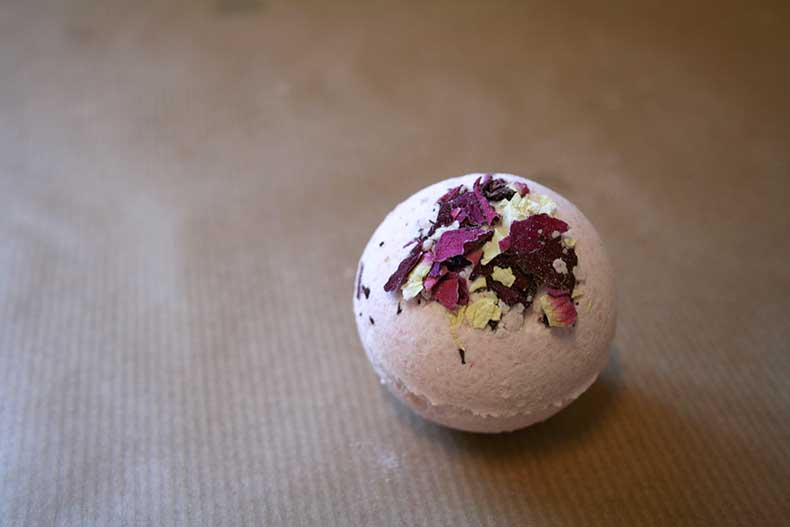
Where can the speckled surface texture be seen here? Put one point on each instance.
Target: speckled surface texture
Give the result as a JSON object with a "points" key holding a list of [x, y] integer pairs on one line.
{"points": [[511, 378], [186, 188]]}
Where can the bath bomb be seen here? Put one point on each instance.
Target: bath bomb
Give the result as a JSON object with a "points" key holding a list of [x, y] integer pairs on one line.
{"points": [[486, 302]]}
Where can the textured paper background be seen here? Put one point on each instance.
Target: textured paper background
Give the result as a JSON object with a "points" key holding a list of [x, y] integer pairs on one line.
{"points": [[185, 189]]}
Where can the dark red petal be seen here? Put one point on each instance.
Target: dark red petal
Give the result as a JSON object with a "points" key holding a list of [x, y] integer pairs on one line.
{"points": [[446, 291], [400, 275], [505, 294], [524, 287], [474, 256], [536, 249], [526, 235], [463, 291]]}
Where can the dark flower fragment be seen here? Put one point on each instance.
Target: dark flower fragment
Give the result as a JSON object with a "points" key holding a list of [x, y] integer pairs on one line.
{"points": [[451, 291], [400, 275], [455, 242], [533, 240], [497, 190], [532, 255]]}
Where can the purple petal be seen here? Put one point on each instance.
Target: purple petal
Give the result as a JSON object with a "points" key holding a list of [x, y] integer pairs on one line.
{"points": [[450, 194], [429, 282], [435, 270], [470, 209], [455, 242], [488, 211], [444, 217], [400, 275]]}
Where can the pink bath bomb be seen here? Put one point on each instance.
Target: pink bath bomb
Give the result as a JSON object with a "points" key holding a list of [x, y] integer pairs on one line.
{"points": [[512, 373]]}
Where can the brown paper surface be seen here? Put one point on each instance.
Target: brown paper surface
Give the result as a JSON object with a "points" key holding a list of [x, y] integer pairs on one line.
{"points": [[185, 188]]}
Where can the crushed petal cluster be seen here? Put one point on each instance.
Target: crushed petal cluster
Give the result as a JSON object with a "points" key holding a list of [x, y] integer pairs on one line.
{"points": [[488, 249]]}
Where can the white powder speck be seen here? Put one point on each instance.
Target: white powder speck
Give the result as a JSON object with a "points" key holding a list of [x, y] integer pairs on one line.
{"points": [[387, 459], [560, 266]]}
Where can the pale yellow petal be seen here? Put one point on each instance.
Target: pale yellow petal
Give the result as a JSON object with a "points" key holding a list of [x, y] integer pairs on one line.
{"points": [[483, 309], [504, 275]]}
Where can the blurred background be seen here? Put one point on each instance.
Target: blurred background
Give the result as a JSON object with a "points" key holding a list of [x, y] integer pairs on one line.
{"points": [[186, 187]]}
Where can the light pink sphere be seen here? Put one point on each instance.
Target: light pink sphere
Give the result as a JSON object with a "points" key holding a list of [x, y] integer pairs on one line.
{"points": [[512, 378]]}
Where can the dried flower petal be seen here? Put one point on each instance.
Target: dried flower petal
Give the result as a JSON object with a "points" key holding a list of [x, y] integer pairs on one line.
{"points": [[521, 188], [430, 282], [491, 249], [398, 278], [477, 283], [474, 256], [443, 217], [488, 211], [414, 284], [497, 190], [527, 235], [531, 240], [451, 291], [450, 194], [511, 242], [503, 275], [463, 291], [558, 308], [516, 294], [437, 233], [453, 243], [483, 309], [471, 213]]}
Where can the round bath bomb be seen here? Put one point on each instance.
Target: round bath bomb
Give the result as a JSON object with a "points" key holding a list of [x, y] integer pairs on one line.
{"points": [[486, 302]]}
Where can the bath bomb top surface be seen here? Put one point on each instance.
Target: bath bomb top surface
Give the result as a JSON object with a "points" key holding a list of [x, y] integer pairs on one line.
{"points": [[491, 322]]}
